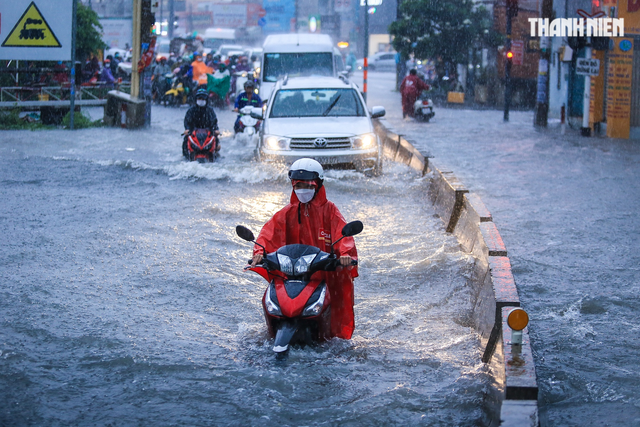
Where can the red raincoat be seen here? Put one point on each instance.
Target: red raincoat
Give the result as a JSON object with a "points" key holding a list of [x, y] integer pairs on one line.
{"points": [[317, 223], [410, 88]]}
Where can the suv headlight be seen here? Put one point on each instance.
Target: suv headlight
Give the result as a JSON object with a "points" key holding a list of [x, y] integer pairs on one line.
{"points": [[363, 142], [273, 142]]}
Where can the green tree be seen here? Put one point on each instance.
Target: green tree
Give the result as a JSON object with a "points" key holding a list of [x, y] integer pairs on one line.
{"points": [[88, 32], [443, 30]]}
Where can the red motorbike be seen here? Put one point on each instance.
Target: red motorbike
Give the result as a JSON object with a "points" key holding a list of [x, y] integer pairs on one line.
{"points": [[297, 302], [201, 145]]}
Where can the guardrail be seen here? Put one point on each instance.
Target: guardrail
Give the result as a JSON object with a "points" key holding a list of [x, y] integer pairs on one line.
{"points": [[514, 390], [25, 95]]}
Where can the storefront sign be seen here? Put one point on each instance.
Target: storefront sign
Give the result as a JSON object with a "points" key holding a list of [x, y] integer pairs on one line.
{"points": [[619, 89]]}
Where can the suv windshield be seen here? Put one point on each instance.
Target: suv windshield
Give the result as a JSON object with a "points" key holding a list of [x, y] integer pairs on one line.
{"points": [[317, 103], [276, 65]]}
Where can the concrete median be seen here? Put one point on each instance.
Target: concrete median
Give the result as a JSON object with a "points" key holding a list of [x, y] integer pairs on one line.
{"points": [[514, 387]]}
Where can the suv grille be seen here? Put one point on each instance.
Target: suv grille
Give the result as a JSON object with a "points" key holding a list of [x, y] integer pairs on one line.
{"points": [[310, 143]]}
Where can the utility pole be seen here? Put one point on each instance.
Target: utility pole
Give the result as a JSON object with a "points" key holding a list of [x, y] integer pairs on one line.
{"points": [[366, 49], [171, 18], [585, 130], [542, 98], [73, 63], [136, 46], [511, 11]]}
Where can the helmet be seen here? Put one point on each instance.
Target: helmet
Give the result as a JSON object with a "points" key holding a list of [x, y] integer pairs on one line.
{"points": [[162, 58], [307, 170], [249, 84], [202, 94]]}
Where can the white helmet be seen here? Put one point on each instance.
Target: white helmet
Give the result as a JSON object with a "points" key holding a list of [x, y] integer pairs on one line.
{"points": [[306, 170]]}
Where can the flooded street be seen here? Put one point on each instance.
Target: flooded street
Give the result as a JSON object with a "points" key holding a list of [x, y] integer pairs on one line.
{"points": [[567, 209], [123, 300]]}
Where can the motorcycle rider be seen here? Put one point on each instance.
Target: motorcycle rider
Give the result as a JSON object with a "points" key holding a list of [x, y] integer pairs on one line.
{"points": [[159, 86], [199, 70], [248, 97], [410, 88], [200, 116], [311, 219]]}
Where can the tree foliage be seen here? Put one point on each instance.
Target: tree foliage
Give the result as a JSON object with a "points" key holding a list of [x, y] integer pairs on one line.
{"points": [[442, 29], [88, 32]]}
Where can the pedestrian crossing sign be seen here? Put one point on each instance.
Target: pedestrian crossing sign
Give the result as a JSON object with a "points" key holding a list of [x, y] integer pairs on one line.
{"points": [[31, 30]]}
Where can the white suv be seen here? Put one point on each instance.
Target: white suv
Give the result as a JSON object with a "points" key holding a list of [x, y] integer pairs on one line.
{"points": [[324, 118]]}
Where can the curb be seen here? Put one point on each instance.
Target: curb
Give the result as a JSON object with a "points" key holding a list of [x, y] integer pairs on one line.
{"points": [[514, 389]]}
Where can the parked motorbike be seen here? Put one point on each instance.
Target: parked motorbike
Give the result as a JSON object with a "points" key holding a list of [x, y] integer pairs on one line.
{"points": [[297, 301], [249, 126], [201, 145], [423, 108]]}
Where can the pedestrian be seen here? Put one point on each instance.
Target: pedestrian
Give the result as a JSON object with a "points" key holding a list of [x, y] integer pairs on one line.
{"points": [[410, 89], [311, 219]]}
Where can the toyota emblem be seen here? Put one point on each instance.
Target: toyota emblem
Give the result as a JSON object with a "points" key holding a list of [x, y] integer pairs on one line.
{"points": [[320, 142]]}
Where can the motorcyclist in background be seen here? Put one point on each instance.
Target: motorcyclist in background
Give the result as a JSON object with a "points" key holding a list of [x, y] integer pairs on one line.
{"points": [[311, 219], [159, 86], [410, 89], [248, 97], [200, 116]]}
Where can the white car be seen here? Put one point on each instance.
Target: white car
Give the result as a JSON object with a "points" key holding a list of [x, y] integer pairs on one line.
{"points": [[324, 118], [225, 50], [381, 61]]}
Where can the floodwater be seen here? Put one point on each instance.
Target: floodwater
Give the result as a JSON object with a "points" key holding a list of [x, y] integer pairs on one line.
{"points": [[123, 299], [567, 209]]}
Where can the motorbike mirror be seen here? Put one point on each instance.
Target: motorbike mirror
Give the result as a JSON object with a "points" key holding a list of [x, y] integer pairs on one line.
{"points": [[352, 228], [377, 111], [244, 233], [256, 113]]}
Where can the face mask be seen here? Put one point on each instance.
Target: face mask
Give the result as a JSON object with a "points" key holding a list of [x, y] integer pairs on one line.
{"points": [[305, 195], [201, 102]]}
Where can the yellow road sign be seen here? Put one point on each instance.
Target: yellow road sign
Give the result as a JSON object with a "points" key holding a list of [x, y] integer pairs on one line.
{"points": [[31, 30]]}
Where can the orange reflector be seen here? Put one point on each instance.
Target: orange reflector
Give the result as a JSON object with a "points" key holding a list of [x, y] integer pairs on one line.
{"points": [[518, 319]]}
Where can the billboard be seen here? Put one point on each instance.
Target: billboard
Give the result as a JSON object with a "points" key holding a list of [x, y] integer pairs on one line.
{"points": [[36, 30], [279, 15], [230, 15], [117, 33]]}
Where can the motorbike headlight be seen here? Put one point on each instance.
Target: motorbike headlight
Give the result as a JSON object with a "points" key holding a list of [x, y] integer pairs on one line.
{"points": [[363, 142], [271, 306], [285, 264], [272, 142], [315, 308], [303, 264]]}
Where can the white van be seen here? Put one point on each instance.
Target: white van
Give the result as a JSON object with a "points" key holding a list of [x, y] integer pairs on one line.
{"points": [[215, 37], [297, 55]]}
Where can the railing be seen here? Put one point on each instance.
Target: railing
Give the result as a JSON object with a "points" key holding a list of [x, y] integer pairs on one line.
{"points": [[59, 93]]}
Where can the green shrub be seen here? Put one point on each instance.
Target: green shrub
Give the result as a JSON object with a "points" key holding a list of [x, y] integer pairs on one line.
{"points": [[80, 121], [11, 120]]}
